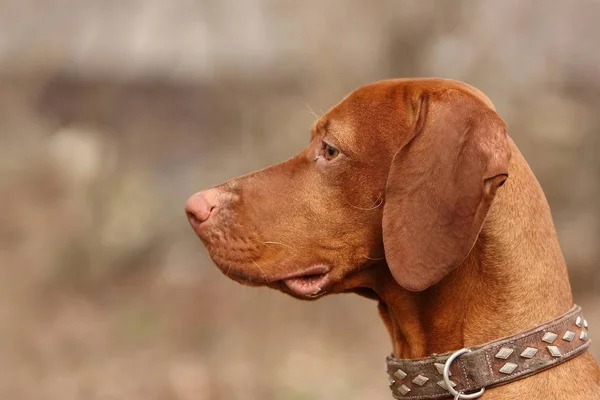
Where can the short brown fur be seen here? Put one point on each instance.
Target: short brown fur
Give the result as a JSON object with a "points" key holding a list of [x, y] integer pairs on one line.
{"points": [[479, 263]]}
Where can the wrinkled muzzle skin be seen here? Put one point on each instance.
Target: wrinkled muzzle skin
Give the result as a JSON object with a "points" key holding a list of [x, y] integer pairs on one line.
{"points": [[309, 225]]}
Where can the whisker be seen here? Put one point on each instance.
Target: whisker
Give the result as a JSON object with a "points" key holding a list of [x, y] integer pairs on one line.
{"points": [[228, 270], [374, 259], [377, 204], [217, 255], [261, 271], [281, 244], [311, 111]]}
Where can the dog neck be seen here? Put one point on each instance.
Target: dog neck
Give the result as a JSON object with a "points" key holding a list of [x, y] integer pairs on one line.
{"points": [[514, 278]]}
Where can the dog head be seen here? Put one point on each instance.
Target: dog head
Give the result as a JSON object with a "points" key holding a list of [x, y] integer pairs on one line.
{"points": [[400, 174]]}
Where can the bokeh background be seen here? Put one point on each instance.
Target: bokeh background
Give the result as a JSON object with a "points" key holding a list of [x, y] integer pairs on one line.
{"points": [[112, 112]]}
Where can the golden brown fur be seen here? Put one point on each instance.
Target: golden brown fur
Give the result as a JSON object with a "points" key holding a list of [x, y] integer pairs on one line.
{"points": [[409, 213]]}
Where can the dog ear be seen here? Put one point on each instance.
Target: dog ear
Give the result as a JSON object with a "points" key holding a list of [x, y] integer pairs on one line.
{"points": [[441, 185]]}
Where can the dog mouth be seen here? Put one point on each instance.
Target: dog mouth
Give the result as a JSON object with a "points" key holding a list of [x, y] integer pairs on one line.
{"points": [[310, 283], [306, 284]]}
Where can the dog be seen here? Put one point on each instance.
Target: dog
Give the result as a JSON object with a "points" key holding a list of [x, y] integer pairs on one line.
{"points": [[412, 194]]}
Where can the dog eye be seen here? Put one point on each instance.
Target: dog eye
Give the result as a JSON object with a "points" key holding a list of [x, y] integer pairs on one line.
{"points": [[329, 152]]}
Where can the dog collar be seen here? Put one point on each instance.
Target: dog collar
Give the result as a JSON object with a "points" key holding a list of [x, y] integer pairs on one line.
{"points": [[466, 373]]}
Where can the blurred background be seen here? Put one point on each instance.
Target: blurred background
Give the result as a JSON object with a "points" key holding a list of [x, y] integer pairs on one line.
{"points": [[113, 112]]}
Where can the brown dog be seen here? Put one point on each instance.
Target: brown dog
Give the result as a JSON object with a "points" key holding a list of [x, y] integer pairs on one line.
{"points": [[397, 198]]}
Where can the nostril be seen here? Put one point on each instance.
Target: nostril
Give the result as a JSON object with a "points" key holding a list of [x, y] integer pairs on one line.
{"points": [[191, 216]]}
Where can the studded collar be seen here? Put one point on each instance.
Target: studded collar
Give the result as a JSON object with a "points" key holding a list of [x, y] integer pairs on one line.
{"points": [[491, 364]]}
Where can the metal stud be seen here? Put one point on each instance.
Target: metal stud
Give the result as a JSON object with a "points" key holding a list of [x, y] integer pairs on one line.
{"points": [[585, 324], [420, 380], [403, 389], [583, 335], [442, 384], [529, 352], [554, 351], [508, 368], [391, 380], [504, 353], [579, 321], [568, 336], [440, 369], [399, 374], [549, 337]]}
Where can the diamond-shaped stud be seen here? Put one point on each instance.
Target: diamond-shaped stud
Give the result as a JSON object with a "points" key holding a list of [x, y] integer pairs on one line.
{"points": [[583, 335], [529, 352], [442, 384], [399, 374], [585, 324], [554, 351], [508, 368], [391, 380], [568, 336], [440, 369], [579, 321], [504, 353], [549, 337], [420, 380], [403, 389]]}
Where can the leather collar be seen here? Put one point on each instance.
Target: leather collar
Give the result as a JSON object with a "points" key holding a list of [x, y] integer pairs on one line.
{"points": [[491, 364]]}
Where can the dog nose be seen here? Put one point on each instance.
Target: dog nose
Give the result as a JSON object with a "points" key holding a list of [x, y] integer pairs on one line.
{"points": [[200, 205]]}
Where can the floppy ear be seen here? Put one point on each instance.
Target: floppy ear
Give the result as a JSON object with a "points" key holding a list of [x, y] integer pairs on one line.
{"points": [[441, 185]]}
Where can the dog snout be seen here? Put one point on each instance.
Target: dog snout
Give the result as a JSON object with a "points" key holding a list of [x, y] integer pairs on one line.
{"points": [[200, 206]]}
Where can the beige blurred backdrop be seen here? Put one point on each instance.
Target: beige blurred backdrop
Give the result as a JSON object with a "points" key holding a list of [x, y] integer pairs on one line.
{"points": [[112, 112]]}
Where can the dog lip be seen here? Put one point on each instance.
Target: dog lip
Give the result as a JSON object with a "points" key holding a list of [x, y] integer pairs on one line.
{"points": [[319, 269], [308, 283], [308, 287]]}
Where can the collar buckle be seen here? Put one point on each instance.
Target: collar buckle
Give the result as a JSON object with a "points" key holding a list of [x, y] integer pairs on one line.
{"points": [[446, 376]]}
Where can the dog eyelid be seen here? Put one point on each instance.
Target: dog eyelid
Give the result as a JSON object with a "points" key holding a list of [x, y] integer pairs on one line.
{"points": [[328, 151]]}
